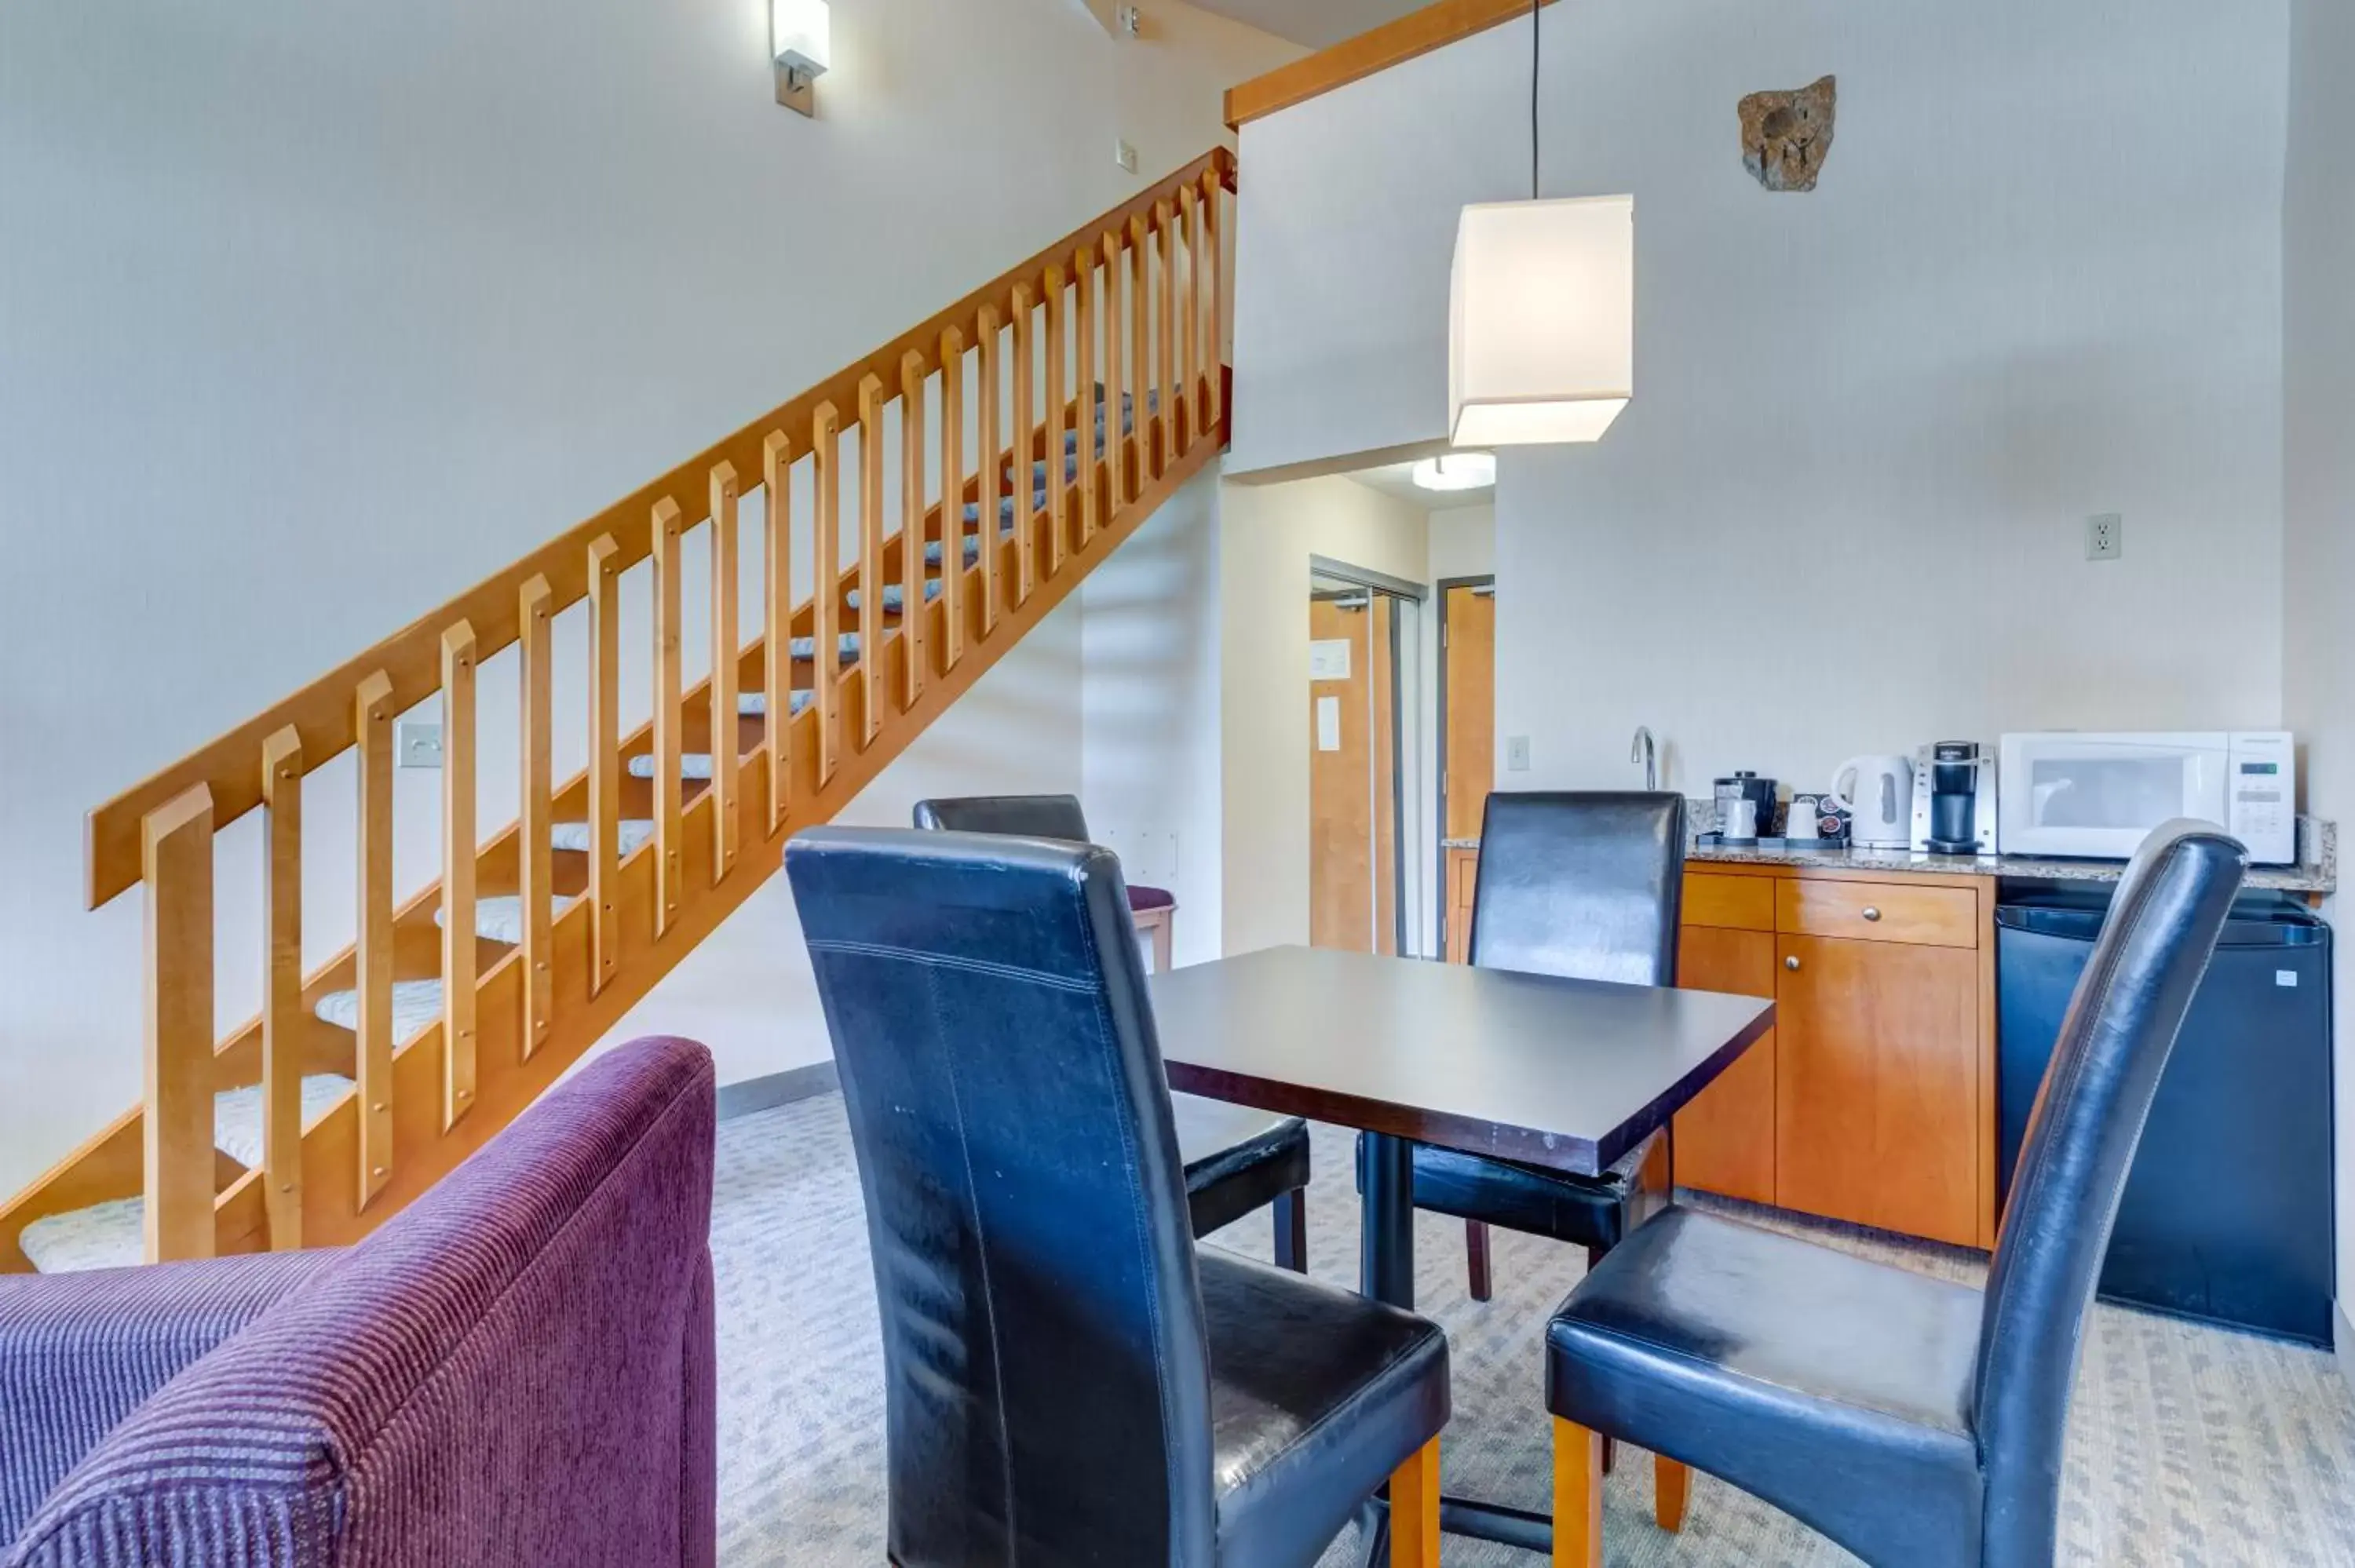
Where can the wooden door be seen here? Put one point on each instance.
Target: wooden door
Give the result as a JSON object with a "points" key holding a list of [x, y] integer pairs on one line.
{"points": [[1725, 1138], [1471, 719], [1877, 1056], [1341, 859]]}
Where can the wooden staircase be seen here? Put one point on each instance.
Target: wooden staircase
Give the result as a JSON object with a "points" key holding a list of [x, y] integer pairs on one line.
{"points": [[1086, 384]]}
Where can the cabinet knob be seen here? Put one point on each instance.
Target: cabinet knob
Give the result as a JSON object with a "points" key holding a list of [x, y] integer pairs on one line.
{"points": [[1871, 913], [1792, 962]]}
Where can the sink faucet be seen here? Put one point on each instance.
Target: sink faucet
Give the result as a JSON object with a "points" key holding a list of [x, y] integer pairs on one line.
{"points": [[1647, 753]]}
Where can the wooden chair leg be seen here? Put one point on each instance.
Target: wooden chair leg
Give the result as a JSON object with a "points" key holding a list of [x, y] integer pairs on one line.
{"points": [[1476, 1252], [1671, 1484], [1414, 1509], [1292, 1231], [1577, 1496]]}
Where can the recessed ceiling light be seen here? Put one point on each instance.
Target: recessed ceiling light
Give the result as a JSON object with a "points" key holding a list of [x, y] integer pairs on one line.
{"points": [[1456, 471]]}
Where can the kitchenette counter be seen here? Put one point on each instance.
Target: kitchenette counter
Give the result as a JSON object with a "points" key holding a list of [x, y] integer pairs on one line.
{"points": [[2318, 874]]}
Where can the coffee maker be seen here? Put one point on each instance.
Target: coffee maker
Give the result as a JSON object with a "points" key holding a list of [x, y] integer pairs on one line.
{"points": [[1954, 798]]}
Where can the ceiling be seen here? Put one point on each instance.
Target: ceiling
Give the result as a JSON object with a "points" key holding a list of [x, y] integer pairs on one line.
{"points": [[1392, 478], [1317, 23]]}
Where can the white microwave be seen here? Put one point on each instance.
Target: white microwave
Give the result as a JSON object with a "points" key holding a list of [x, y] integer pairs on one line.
{"points": [[2064, 793]]}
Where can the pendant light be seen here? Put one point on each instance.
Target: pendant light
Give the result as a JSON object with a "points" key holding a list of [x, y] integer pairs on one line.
{"points": [[1541, 313]]}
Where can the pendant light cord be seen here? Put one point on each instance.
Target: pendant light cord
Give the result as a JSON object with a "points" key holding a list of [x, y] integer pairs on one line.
{"points": [[1537, 42]]}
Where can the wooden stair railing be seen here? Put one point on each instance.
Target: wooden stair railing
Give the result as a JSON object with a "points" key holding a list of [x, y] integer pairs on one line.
{"points": [[454, 1007]]}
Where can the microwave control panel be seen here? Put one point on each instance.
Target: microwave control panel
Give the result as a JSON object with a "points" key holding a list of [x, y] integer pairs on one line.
{"points": [[2260, 795]]}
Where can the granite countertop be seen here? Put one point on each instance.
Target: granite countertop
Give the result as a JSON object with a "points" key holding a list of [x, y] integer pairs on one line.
{"points": [[2314, 877], [2317, 871]]}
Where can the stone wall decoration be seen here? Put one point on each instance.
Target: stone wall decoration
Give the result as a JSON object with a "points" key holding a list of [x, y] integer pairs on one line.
{"points": [[1784, 136]]}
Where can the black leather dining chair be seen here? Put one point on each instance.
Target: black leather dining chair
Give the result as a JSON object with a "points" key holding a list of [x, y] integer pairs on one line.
{"points": [[1587, 885], [1911, 1420], [1237, 1159], [1069, 1377]]}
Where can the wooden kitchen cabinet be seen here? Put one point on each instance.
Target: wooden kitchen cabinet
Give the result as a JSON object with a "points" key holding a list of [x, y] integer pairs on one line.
{"points": [[1872, 1098], [1876, 1093], [1725, 1138]]}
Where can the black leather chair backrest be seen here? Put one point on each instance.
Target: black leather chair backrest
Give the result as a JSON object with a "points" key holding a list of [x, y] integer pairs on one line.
{"points": [[2115, 1040], [1587, 884], [1047, 1367], [1027, 816]]}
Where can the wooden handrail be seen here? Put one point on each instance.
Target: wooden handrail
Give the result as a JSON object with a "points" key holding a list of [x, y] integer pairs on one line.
{"points": [[321, 712], [1417, 32]]}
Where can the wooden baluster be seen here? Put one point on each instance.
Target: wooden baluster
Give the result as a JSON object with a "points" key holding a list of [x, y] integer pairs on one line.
{"points": [[1059, 490], [1147, 411], [870, 564], [605, 755], [535, 889], [282, 1023], [912, 604], [460, 844], [176, 1129], [1190, 328], [1116, 440], [1083, 417], [372, 959], [986, 473], [826, 546], [1026, 430], [777, 622], [952, 497], [1207, 260], [727, 649], [1164, 364], [670, 750]]}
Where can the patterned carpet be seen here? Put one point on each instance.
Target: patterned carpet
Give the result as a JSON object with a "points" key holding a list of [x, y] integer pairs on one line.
{"points": [[2189, 1446]]}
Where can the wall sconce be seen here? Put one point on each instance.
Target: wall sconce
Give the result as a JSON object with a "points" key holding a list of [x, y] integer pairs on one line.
{"points": [[799, 37]]}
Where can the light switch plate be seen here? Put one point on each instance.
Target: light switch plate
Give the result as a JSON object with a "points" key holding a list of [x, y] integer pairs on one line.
{"points": [[2105, 536], [1516, 753], [417, 743], [1124, 155]]}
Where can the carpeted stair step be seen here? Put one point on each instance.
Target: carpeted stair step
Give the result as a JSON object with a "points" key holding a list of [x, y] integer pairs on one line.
{"points": [[755, 705], [415, 1004], [635, 832], [500, 916], [895, 595], [847, 648], [111, 1235]]}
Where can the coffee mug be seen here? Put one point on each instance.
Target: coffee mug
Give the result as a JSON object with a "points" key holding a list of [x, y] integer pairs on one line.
{"points": [[1738, 819], [1802, 823]]}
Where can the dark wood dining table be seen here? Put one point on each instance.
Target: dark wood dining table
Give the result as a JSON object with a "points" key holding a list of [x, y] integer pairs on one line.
{"points": [[1565, 1073]]}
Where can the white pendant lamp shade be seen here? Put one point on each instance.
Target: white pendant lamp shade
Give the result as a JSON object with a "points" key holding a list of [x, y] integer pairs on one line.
{"points": [[1541, 320]]}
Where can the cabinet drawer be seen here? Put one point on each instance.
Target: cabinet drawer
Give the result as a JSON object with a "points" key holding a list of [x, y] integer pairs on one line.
{"points": [[1878, 911], [1744, 903]]}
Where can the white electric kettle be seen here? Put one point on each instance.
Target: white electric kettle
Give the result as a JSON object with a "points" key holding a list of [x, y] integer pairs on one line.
{"points": [[1877, 792]]}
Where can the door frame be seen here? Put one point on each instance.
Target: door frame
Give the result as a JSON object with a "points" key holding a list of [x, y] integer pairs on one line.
{"points": [[1439, 739], [1419, 593]]}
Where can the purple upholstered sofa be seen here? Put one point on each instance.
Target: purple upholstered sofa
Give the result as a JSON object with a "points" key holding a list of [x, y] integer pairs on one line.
{"points": [[516, 1371]]}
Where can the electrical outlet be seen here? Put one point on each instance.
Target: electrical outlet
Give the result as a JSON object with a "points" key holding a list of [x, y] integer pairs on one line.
{"points": [[1516, 753], [1124, 155], [2105, 536], [1129, 20], [417, 743]]}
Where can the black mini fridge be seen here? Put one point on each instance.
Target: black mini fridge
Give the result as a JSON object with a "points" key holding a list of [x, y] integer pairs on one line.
{"points": [[2227, 1213]]}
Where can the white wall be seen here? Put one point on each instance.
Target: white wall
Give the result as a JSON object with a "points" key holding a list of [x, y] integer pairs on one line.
{"points": [[2318, 654], [1845, 511], [1267, 535], [314, 315], [1150, 676]]}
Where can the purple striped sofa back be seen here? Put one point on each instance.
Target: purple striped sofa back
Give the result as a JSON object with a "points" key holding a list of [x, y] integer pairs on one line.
{"points": [[516, 1370]]}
